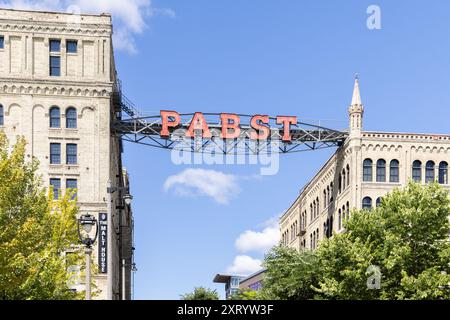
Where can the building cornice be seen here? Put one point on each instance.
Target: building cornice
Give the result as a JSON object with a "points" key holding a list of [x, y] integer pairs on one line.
{"points": [[61, 28], [403, 136], [59, 88]]}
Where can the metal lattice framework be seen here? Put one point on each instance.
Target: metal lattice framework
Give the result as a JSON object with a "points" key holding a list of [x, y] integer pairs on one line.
{"points": [[146, 130]]}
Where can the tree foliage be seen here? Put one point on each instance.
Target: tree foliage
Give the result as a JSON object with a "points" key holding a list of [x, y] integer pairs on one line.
{"points": [[35, 231], [406, 239], [244, 294], [201, 293], [290, 275]]}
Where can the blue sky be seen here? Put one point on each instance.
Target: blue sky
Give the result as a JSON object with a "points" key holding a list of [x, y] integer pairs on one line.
{"points": [[273, 57], [267, 57]]}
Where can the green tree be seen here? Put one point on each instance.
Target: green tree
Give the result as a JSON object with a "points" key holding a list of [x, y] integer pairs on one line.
{"points": [[201, 293], [406, 238], [404, 243], [290, 275], [244, 294], [35, 231]]}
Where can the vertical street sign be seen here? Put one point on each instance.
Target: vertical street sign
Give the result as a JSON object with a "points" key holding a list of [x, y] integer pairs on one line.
{"points": [[102, 243]]}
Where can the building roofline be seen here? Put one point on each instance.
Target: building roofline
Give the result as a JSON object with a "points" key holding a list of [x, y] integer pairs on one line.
{"points": [[103, 14], [305, 187], [309, 183], [407, 133], [254, 274], [224, 278]]}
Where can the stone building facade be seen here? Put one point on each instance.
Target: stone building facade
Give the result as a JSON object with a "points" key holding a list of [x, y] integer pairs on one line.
{"points": [[365, 168], [57, 79]]}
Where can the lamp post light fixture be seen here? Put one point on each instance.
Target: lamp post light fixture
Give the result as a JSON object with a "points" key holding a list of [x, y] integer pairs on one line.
{"points": [[87, 233], [127, 198]]}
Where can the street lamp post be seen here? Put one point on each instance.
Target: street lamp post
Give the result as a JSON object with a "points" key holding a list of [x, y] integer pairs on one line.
{"points": [[86, 224], [127, 198]]}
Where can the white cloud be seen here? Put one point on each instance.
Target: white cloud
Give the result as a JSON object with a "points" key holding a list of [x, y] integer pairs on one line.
{"points": [[129, 16], [244, 265], [259, 241], [200, 182]]}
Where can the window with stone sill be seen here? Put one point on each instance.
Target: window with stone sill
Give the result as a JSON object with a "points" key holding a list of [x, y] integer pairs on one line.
{"points": [[56, 184], [394, 171], [55, 117], [367, 170], [71, 46], [417, 171]]}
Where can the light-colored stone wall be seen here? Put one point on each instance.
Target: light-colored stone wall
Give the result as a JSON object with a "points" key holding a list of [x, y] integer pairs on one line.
{"points": [[27, 92], [406, 148], [346, 165]]}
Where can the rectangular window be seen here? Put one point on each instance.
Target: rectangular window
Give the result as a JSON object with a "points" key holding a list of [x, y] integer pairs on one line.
{"points": [[55, 153], [71, 153], [2, 42], [56, 184], [55, 66], [71, 184], [55, 45], [71, 46]]}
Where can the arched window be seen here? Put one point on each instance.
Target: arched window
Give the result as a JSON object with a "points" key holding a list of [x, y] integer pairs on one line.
{"points": [[367, 170], [394, 171], [1, 116], [340, 183], [317, 237], [339, 219], [331, 192], [314, 209], [55, 117], [344, 179], [381, 170], [348, 175], [328, 195], [429, 172], [311, 212], [378, 202], [417, 171], [347, 208], [330, 227], [71, 118], [367, 203], [325, 202], [318, 206], [443, 172]]}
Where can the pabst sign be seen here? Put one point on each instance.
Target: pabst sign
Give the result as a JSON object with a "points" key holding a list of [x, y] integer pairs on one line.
{"points": [[230, 125]]}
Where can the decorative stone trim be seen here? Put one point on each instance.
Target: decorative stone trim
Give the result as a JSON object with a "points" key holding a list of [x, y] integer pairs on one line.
{"points": [[59, 90], [410, 136], [64, 28]]}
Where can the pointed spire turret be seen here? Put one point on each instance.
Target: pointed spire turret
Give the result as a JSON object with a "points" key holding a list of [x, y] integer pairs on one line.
{"points": [[356, 109], [356, 98]]}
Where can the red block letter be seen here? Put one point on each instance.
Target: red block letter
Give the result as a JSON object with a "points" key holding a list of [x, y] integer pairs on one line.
{"points": [[198, 122], [166, 123], [258, 127], [286, 121], [234, 125]]}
